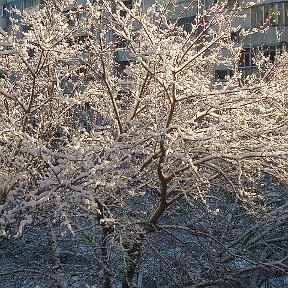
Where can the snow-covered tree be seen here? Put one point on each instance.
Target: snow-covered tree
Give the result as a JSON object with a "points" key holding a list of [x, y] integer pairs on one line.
{"points": [[154, 175]]}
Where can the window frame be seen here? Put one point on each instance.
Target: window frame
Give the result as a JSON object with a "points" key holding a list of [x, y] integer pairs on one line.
{"points": [[186, 23], [31, 3], [247, 58], [222, 73], [234, 3], [268, 14]]}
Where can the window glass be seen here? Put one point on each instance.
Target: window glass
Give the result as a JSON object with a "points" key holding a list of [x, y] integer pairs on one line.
{"points": [[280, 13], [254, 16], [129, 5], [257, 16], [223, 74], [260, 16], [31, 3], [286, 13], [2, 74], [270, 14], [232, 2], [235, 37], [186, 23], [270, 52], [247, 20], [4, 7], [247, 58], [282, 47]]}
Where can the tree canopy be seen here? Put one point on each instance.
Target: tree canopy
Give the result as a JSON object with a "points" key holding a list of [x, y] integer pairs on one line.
{"points": [[150, 174]]}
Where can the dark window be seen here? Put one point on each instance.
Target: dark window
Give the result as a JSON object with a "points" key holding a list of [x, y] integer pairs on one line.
{"points": [[247, 58], [31, 3], [282, 47], [26, 28], [286, 13], [121, 42], [4, 10], [223, 74], [2, 75], [71, 18], [186, 23], [121, 67], [31, 52], [11, 10], [1, 10], [232, 2], [83, 39], [82, 70], [235, 37], [270, 52], [129, 5], [257, 16], [270, 14]]}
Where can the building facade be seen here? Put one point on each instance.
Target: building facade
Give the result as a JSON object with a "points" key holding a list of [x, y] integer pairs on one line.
{"points": [[271, 15], [7, 5], [266, 22]]}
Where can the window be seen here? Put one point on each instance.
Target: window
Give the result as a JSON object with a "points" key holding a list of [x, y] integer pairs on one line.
{"points": [[31, 3], [81, 15], [235, 37], [129, 5], [26, 28], [229, 3], [257, 16], [247, 58], [270, 14], [121, 43], [4, 10], [2, 74], [272, 51], [31, 52], [157, 7], [70, 16], [186, 23], [232, 2], [280, 14], [10, 11], [121, 67], [285, 13], [282, 47], [82, 70], [223, 74]]}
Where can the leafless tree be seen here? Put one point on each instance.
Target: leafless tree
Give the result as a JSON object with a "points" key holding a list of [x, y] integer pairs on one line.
{"points": [[154, 175]]}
